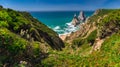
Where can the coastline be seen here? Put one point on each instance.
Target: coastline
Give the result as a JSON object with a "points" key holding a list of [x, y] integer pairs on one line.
{"points": [[60, 22], [63, 36]]}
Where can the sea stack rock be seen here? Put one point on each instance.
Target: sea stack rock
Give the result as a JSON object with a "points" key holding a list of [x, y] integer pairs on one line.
{"points": [[75, 20], [81, 16]]}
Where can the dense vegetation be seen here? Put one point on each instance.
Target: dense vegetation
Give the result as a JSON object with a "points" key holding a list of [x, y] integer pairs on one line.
{"points": [[24, 41]]}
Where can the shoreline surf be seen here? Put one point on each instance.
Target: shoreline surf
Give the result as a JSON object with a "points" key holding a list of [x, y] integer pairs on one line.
{"points": [[60, 22]]}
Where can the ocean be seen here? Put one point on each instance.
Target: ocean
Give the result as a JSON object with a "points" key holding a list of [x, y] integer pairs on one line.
{"points": [[59, 21]]}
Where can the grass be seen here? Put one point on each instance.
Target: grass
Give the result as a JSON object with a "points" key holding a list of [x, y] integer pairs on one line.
{"points": [[101, 13], [109, 55], [113, 16], [89, 40], [91, 37]]}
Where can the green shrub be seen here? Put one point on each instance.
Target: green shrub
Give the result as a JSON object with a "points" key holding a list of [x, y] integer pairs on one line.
{"points": [[92, 36], [78, 42], [1, 6], [3, 24], [13, 43]]}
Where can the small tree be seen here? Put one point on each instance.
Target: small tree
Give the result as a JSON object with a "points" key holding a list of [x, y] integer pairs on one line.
{"points": [[1, 6]]}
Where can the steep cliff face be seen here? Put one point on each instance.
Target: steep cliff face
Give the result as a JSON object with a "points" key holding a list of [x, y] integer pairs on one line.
{"points": [[23, 37]]}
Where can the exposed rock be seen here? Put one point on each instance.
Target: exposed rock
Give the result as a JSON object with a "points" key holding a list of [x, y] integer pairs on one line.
{"points": [[84, 31], [97, 44], [81, 16], [75, 20]]}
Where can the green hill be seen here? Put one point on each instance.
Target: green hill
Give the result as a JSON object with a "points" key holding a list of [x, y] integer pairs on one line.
{"points": [[23, 39]]}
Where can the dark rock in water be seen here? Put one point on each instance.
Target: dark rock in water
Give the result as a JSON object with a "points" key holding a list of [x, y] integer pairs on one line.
{"points": [[75, 20], [81, 16]]}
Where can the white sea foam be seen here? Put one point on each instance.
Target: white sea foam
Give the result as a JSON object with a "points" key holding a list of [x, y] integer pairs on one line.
{"points": [[57, 27], [67, 29]]}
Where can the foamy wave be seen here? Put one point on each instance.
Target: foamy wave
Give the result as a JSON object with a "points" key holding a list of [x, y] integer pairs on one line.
{"points": [[56, 28], [69, 28]]}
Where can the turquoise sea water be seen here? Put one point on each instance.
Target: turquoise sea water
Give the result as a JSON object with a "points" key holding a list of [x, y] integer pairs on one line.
{"points": [[59, 21]]}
